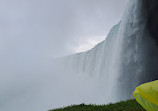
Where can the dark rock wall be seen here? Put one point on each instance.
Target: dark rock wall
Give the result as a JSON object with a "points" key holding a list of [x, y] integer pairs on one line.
{"points": [[151, 9]]}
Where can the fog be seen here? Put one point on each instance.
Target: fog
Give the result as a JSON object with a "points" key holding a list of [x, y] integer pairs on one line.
{"points": [[33, 33]]}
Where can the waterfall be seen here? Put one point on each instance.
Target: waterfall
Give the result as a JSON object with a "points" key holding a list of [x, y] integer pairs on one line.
{"points": [[127, 57], [109, 72]]}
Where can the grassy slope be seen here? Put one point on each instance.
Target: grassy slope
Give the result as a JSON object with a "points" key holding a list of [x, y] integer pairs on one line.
{"points": [[129, 105]]}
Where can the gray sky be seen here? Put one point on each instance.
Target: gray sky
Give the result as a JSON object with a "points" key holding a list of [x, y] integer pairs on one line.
{"points": [[33, 32], [55, 27]]}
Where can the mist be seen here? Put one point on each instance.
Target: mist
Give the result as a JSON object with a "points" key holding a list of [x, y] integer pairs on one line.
{"points": [[33, 33]]}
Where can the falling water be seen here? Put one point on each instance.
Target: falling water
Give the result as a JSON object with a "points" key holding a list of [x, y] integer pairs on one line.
{"points": [[109, 72], [126, 58]]}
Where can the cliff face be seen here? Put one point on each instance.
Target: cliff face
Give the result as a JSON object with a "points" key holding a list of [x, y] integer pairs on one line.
{"points": [[151, 7], [128, 56]]}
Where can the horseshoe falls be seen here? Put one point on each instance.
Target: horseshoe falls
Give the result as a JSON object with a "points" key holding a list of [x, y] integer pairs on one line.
{"points": [[109, 72], [127, 57]]}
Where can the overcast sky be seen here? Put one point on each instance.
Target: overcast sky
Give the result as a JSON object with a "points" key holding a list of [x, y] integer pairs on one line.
{"points": [[55, 27], [33, 32]]}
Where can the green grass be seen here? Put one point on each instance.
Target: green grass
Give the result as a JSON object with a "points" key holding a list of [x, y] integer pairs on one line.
{"points": [[129, 105]]}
